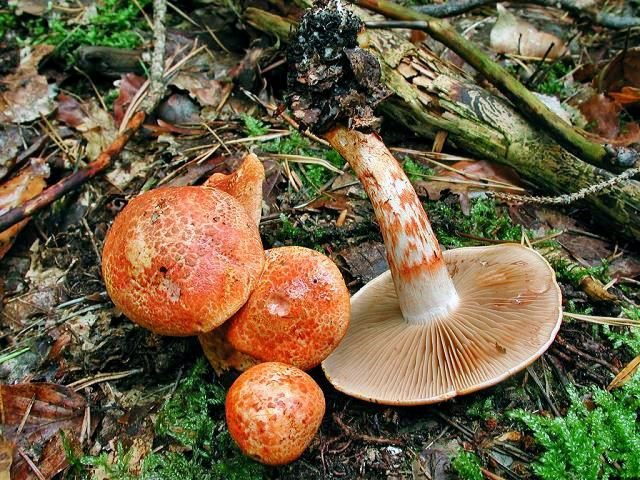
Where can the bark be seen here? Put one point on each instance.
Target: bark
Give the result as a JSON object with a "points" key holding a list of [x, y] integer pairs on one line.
{"points": [[431, 95]]}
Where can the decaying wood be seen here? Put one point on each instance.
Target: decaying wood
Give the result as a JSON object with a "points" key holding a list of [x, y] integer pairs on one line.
{"points": [[430, 95]]}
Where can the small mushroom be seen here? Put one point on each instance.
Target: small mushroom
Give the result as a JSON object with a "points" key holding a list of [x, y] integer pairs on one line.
{"points": [[436, 325], [181, 260], [273, 411], [298, 312]]}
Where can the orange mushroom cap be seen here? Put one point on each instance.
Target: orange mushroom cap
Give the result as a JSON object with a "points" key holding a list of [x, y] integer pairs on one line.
{"points": [[273, 411], [181, 260], [244, 184], [298, 312]]}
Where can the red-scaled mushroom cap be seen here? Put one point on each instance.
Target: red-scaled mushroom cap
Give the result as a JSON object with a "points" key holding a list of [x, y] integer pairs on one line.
{"points": [[273, 411], [298, 312], [181, 260]]}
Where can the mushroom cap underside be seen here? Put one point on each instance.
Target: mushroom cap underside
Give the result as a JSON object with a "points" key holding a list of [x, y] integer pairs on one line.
{"points": [[508, 314]]}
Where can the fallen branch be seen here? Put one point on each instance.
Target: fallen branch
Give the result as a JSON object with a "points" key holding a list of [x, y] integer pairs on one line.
{"points": [[565, 134]]}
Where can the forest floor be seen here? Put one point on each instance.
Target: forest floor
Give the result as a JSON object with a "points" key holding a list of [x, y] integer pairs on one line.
{"points": [[131, 403]]}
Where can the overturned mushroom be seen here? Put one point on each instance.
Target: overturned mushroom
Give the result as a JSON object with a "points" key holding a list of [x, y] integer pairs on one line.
{"points": [[434, 326], [181, 260], [298, 312]]}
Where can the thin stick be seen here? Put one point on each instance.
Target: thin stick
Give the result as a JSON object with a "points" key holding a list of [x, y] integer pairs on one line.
{"points": [[156, 80], [442, 31]]}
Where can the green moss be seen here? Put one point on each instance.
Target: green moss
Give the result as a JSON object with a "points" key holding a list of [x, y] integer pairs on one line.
{"points": [[467, 466], [192, 427], [8, 22], [626, 337], [113, 25], [573, 273], [595, 440], [553, 83], [482, 409], [485, 220], [295, 144], [253, 127], [415, 171]]}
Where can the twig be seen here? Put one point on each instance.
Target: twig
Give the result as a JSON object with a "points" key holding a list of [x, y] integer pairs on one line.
{"points": [[74, 180], [32, 465], [599, 361], [156, 83], [443, 32], [101, 377], [569, 198], [365, 438]]}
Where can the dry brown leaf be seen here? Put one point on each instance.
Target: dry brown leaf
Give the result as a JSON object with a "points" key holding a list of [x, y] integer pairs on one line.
{"points": [[6, 458], [26, 95], [42, 410], [10, 143], [32, 7], [97, 126], [27, 184], [625, 374], [130, 83], [207, 91], [511, 34], [603, 116], [622, 71]]}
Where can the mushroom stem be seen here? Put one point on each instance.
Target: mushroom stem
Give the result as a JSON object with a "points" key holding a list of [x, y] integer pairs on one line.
{"points": [[423, 285]]}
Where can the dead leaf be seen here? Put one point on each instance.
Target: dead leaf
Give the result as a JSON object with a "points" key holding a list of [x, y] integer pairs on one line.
{"points": [[622, 71], [27, 96], [511, 34], [70, 110], [6, 458], [97, 126], [42, 410], [603, 116], [179, 109], [10, 143], [207, 91], [27, 184], [625, 374], [130, 83]]}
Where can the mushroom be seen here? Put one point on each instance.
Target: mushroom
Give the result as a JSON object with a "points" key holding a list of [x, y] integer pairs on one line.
{"points": [[298, 312], [245, 185], [273, 411], [181, 260], [436, 325]]}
